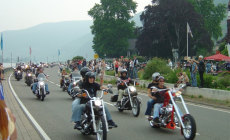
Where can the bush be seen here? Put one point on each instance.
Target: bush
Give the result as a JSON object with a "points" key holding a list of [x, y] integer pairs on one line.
{"points": [[156, 65], [111, 73], [76, 58]]}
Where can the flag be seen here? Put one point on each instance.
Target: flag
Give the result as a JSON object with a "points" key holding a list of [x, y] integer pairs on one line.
{"points": [[30, 51], [1, 42], [1, 92], [59, 52], [189, 30]]}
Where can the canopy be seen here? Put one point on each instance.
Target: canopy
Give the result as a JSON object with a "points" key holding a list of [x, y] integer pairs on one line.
{"points": [[218, 57]]}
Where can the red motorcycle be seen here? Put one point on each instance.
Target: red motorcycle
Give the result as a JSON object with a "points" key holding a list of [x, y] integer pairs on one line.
{"points": [[171, 116]]}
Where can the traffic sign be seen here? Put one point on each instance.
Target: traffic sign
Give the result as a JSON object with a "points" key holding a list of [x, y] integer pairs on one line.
{"points": [[96, 56]]}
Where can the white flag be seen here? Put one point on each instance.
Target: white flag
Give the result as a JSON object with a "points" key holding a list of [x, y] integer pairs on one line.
{"points": [[189, 30]]}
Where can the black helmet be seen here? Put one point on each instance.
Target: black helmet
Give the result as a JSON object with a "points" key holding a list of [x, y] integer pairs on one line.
{"points": [[89, 75], [84, 70]]}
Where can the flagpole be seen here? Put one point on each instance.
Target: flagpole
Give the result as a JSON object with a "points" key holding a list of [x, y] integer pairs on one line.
{"points": [[187, 40]]}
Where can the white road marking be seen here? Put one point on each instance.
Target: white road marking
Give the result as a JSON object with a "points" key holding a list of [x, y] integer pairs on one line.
{"points": [[29, 116]]}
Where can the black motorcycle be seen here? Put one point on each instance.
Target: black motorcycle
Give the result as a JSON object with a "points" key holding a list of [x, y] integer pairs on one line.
{"points": [[66, 82], [18, 75], [29, 79], [130, 99], [94, 120]]}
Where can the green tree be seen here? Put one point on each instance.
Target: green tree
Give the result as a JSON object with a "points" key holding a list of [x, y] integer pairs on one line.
{"points": [[212, 15], [112, 26], [76, 58], [164, 29]]}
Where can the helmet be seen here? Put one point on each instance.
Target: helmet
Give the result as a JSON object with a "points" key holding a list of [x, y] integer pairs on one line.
{"points": [[123, 71], [155, 76], [89, 75], [84, 70]]}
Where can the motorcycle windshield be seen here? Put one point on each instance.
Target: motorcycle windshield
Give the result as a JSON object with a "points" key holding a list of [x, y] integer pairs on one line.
{"points": [[41, 77]]}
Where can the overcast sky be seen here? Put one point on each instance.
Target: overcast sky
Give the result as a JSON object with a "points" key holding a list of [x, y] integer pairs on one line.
{"points": [[20, 14]]}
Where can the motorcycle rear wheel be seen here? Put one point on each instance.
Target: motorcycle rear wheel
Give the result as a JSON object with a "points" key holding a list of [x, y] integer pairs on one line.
{"points": [[101, 129], [189, 131], [136, 107]]}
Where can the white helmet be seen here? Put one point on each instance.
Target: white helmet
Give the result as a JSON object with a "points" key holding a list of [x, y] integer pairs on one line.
{"points": [[155, 76]]}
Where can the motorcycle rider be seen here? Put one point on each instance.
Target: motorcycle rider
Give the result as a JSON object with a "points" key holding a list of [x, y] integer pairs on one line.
{"points": [[159, 98], [63, 74], [19, 68], [123, 77], [77, 108], [40, 71], [75, 72], [150, 103]]}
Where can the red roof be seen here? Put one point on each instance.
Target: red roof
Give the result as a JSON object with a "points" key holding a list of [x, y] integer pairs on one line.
{"points": [[218, 57]]}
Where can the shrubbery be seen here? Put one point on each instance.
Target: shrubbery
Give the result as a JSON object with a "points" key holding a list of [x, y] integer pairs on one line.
{"points": [[156, 65]]}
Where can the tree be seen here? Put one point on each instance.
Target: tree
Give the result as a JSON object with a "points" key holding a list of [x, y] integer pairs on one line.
{"points": [[212, 15], [76, 58], [111, 26], [164, 29]]}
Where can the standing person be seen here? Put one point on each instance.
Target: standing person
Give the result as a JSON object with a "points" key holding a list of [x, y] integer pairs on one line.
{"points": [[116, 64], [131, 66], [193, 73], [201, 70], [84, 63], [170, 63], [135, 61], [208, 67], [127, 66], [1, 71], [102, 72], [7, 120]]}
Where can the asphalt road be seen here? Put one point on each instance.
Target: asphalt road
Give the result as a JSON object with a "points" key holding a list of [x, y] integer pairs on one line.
{"points": [[54, 115]]}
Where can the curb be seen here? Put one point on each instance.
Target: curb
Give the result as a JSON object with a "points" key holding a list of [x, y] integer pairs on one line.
{"points": [[38, 128]]}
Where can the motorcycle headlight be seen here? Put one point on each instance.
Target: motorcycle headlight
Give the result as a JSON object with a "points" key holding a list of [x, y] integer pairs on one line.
{"points": [[178, 93], [26, 66], [74, 83], [132, 89], [29, 74], [97, 103], [19, 71], [42, 83]]}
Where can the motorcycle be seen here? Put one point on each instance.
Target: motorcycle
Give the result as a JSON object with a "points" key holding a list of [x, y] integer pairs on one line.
{"points": [[40, 89], [18, 75], [74, 90], [28, 79], [66, 83], [94, 120], [129, 101], [171, 117]]}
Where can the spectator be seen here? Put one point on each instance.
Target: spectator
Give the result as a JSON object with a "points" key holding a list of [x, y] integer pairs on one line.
{"points": [[127, 66], [116, 64], [135, 61], [7, 120], [201, 69], [193, 73], [208, 67], [131, 66], [170, 63]]}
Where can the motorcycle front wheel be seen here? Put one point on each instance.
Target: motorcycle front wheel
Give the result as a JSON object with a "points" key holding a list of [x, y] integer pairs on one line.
{"points": [[43, 95], [101, 129], [136, 107], [189, 131]]}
